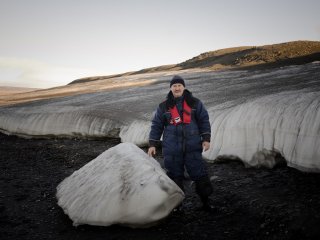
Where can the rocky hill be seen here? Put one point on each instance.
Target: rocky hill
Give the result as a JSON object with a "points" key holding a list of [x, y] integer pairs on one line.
{"points": [[298, 52], [248, 57]]}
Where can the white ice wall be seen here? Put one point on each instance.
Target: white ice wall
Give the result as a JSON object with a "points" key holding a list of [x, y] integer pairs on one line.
{"points": [[136, 132], [59, 124], [288, 123]]}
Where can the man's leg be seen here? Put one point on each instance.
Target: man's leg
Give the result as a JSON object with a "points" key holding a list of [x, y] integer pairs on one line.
{"points": [[197, 171], [204, 190], [175, 169]]}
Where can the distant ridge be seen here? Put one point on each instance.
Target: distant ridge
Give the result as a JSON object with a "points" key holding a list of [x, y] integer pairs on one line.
{"points": [[5, 90], [247, 57]]}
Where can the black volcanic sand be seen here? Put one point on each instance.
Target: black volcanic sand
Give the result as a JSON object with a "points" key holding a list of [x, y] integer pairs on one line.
{"points": [[280, 203]]}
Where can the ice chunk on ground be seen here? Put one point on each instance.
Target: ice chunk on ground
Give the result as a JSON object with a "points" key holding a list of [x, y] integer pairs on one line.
{"points": [[122, 186]]}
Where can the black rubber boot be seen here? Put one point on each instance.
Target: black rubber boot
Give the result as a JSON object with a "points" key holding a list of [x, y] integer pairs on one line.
{"points": [[208, 206], [204, 190]]}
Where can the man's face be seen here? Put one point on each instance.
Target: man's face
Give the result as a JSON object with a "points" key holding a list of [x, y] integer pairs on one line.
{"points": [[177, 89]]}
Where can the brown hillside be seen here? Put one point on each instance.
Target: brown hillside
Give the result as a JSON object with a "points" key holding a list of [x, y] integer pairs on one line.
{"points": [[253, 56], [249, 57]]}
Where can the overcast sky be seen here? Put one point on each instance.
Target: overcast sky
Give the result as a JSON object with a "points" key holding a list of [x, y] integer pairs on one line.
{"points": [[47, 43]]}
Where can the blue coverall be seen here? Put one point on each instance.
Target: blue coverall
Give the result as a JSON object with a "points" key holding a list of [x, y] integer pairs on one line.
{"points": [[182, 144]]}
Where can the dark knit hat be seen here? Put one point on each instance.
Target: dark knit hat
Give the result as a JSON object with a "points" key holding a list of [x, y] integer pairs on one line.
{"points": [[177, 79]]}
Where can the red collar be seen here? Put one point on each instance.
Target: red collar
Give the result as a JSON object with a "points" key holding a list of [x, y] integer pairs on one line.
{"points": [[175, 116]]}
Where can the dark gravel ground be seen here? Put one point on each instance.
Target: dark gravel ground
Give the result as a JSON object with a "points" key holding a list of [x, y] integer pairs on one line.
{"points": [[281, 203]]}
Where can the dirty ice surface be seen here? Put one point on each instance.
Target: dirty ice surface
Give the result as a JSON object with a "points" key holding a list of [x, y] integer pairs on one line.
{"points": [[255, 115], [122, 186]]}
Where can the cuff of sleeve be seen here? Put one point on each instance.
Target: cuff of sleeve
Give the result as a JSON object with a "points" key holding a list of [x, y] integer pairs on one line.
{"points": [[206, 137], [153, 143]]}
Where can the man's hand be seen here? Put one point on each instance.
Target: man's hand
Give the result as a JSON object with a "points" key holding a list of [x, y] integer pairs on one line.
{"points": [[205, 145], [152, 151]]}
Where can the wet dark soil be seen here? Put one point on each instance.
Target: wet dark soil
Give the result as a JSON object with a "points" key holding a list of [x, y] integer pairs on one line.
{"points": [[280, 203]]}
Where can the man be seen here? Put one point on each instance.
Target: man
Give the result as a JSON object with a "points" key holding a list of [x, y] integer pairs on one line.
{"points": [[184, 123]]}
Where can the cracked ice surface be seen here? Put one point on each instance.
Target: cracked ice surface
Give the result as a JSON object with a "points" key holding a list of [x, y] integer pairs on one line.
{"points": [[253, 113]]}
